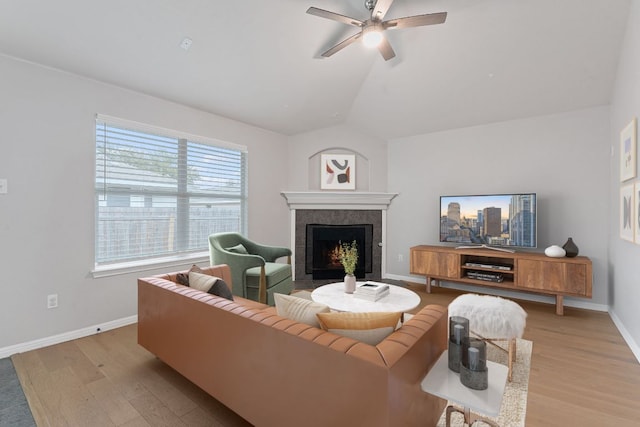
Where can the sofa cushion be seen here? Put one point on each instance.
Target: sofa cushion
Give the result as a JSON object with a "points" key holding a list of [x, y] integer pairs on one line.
{"points": [[370, 328], [299, 309], [275, 272], [211, 284]]}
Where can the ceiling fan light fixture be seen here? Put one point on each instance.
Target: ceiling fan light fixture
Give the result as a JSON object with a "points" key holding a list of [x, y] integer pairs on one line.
{"points": [[372, 28], [372, 36]]}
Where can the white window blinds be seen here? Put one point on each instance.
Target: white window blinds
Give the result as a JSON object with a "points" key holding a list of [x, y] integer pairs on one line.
{"points": [[160, 193]]}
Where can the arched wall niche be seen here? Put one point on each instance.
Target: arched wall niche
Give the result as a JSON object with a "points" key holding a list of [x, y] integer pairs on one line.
{"points": [[362, 167]]}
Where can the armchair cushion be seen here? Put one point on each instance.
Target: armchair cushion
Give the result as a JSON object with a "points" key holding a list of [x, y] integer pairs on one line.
{"points": [[274, 272], [239, 249]]}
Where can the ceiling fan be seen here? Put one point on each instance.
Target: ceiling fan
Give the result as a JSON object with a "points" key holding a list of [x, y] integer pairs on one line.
{"points": [[372, 28]]}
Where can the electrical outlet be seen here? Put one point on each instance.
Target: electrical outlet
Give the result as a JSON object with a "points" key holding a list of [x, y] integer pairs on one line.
{"points": [[400, 257], [3, 186], [52, 301]]}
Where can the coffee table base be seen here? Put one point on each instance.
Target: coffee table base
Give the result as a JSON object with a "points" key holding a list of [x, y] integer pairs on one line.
{"points": [[469, 417]]}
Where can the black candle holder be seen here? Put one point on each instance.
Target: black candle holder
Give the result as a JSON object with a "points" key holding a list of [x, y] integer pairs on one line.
{"points": [[458, 331], [473, 364]]}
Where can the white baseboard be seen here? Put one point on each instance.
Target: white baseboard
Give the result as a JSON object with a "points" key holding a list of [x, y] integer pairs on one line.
{"points": [[67, 336], [508, 294], [635, 348]]}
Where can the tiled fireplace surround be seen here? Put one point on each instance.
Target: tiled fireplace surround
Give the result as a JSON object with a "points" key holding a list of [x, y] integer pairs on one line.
{"points": [[337, 208]]}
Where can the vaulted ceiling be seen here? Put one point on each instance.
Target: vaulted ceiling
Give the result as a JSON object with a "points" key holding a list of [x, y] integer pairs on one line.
{"points": [[259, 61]]}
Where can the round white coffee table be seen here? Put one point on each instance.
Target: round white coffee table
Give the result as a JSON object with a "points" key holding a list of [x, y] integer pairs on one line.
{"points": [[333, 295]]}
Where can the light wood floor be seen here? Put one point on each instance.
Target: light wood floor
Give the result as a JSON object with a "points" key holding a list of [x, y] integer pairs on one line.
{"points": [[582, 374]]}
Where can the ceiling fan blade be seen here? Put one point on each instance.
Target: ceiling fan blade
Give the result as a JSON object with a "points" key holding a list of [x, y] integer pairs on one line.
{"points": [[344, 43], [380, 9], [386, 50], [416, 21], [334, 16]]}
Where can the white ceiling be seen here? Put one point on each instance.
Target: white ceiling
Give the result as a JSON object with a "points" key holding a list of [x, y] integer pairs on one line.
{"points": [[258, 61]]}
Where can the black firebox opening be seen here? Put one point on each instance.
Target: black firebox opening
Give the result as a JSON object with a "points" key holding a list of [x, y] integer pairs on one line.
{"points": [[322, 245]]}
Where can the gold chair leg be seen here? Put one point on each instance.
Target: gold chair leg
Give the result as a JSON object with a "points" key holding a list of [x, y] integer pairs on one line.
{"points": [[262, 289]]}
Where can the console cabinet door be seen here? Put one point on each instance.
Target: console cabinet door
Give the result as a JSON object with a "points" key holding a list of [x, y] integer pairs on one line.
{"points": [[436, 264], [554, 277]]}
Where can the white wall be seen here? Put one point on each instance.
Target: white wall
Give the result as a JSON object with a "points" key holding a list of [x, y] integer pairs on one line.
{"points": [[563, 158], [624, 256], [46, 220]]}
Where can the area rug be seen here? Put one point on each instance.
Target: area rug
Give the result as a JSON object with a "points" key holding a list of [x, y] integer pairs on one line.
{"points": [[14, 409], [514, 403]]}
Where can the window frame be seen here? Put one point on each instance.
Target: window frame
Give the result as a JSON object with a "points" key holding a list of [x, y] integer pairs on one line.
{"points": [[178, 258]]}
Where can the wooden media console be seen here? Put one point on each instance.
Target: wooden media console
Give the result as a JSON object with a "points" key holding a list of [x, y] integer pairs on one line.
{"points": [[518, 271]]}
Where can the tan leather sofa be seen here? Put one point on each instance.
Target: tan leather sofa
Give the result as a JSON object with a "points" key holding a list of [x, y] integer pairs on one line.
{"points": [[273, 371]]}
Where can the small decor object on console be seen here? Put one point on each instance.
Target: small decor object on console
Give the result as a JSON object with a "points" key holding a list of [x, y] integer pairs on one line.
{"points": [[473, 364], [570, 248], [372, 291], [348, 256], [458, 330], [555, 251]]}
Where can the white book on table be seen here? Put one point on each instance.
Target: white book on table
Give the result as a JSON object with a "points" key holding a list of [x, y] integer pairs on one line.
{"points": [[372, 288]]}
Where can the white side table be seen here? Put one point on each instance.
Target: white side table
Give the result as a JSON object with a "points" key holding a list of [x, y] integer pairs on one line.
{"points": [[444, 383], [333, 295]]}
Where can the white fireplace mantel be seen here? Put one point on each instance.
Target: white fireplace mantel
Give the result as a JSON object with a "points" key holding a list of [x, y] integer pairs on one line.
{"points": [[338, 200]]}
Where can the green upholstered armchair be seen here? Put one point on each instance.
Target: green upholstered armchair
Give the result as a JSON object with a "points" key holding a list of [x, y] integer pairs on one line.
{"points": [[254, 271]]}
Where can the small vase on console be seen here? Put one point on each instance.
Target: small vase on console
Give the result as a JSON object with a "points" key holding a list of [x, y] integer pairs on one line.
{"points": [[570, 248], [555, 251], [349, 283]]}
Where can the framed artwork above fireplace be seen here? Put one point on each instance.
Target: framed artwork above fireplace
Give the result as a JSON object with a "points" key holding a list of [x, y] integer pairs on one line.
{"points": [[338, 172]]}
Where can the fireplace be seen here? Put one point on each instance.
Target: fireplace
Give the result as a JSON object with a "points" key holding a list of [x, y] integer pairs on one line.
{"points": [[337, 208], [372, 247], [322, 247]]}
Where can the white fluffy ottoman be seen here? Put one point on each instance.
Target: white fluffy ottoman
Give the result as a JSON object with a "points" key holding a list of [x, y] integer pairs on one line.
{"points": [[492, 319]]}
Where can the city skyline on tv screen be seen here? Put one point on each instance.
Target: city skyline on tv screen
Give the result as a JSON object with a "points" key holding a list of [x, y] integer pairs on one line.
{"points": [[499, 219]]}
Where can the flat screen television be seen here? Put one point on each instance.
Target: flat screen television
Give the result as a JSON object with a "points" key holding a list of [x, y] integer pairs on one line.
{"points": [[490, 220]]}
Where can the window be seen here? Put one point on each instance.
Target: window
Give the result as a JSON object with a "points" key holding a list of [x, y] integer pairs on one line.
{"points": [[159, 194]]}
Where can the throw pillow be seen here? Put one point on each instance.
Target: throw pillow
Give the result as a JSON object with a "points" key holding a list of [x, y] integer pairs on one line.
{"points": [[239, 249], [370, 328], [211, 284], [299, 309], [183, 278]]}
